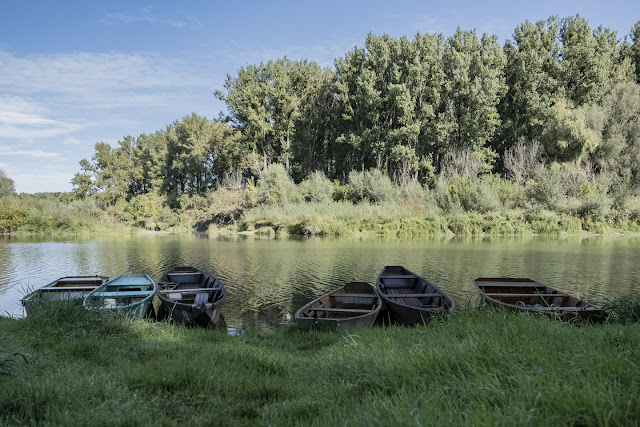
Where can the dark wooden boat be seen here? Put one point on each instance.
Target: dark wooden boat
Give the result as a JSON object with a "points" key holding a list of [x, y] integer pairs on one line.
{"points": [[128, 294], [528, 295], [74, 288], [410, 299], [355, 304], [190, 296]]}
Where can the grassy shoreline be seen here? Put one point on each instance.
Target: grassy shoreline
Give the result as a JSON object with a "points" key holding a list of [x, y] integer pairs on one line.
{"points": [[479, 367]]}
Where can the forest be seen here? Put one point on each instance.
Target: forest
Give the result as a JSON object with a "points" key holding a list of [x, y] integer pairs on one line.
{"points": [[453, 134]]}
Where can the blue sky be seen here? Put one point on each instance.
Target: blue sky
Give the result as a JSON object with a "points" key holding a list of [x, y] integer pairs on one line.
{"points": [[76, 73]]}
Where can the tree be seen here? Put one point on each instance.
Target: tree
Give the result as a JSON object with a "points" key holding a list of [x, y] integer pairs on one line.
{"points": [[7, 187], [531, 71], [475, 85]]}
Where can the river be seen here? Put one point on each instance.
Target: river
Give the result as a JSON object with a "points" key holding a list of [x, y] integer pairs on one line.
{"points": [[267, 280]]}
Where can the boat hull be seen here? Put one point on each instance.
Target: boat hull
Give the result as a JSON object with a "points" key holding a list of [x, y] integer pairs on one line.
{"points": [[354, 305], [191, 297], [128, 295], [69, 288], [526, 295], [410, 299]]}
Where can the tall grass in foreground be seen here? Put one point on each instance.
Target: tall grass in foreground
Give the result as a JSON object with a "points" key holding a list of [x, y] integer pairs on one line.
{"points": [[478, 367]]}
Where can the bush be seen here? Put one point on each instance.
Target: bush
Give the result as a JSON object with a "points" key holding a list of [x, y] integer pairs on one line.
{"points": [[317, 188], [548, 188], [11, 217], [275, 187], [371, 185]]}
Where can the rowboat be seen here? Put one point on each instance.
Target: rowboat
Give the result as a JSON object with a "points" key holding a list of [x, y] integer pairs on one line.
{"points": [[128, 294], [190, 296], [411, 299], [70, 288], [355, 304], [526, 295]]}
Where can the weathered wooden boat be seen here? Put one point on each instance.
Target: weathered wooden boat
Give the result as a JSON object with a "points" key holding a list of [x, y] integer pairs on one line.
{"points": [[128, 294], [190, 296], [410, 299], [526, 295], [353, 305], [70, 288]]}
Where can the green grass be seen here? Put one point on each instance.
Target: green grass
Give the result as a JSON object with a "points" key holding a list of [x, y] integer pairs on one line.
{"points": [[478, 367]]}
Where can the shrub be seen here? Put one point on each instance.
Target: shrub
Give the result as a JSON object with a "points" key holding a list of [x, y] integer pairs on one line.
{"points": [[548, 188], [275, 187], [11, 217], [318, 188], [370, 185]]}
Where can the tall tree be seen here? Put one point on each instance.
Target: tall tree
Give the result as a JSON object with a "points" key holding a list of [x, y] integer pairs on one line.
{"points": [[531, 71]]}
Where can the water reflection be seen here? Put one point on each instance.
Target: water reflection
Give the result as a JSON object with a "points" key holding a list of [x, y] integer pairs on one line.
{"points": [[268, 280]]}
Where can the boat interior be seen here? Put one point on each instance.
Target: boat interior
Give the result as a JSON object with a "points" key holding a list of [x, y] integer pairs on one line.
{"points": [[403, 287], [526, 292], [354, 299], [190, 287]]}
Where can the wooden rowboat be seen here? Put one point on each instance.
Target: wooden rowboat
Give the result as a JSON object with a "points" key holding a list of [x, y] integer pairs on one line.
{"points": [[128, 294], [70, 288], [528, 295], [190, 296], [355, 304], [411, 299]]}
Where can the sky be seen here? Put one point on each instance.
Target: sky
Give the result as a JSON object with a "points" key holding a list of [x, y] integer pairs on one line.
{"points": [[74, 73]]}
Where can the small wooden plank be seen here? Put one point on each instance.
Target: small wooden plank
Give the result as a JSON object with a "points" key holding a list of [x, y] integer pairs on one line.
{"points": [[190, 291], [413, 295], [399, 286], [399, 276], [355, 295], [68, 288], [560, 309], [514, 295], [124, 294], [340, 310], [195, 273]]}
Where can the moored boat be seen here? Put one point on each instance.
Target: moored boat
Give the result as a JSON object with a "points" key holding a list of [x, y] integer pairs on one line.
{"points": [[129, 294], [69, 288], [353, 305], [410, 299], [526, 295], [190, 296]]}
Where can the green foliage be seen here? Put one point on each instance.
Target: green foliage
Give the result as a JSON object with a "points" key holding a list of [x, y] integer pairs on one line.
{"points": [[275, 187], [547, 187], [7, 187], [317, 188], [11, 216], [623, 309], [566, 374], [371, 185]]}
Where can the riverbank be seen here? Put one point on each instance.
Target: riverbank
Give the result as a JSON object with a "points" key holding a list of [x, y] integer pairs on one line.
{"points": [[478, 367]]}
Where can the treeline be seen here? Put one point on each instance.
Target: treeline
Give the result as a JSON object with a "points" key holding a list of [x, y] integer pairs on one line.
{"points": [[414, 109], [558, 105]]}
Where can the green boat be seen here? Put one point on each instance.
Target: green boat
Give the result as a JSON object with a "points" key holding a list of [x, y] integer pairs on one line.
{"points": [[128, 294]]}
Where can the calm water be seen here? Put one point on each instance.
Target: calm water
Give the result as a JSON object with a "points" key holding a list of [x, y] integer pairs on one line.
{"points": [[267, 280]]}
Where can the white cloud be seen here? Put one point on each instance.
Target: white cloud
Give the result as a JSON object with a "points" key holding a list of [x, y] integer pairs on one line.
{"points": [[145, 15], [36, 153], [22, 119], [108, 79]]}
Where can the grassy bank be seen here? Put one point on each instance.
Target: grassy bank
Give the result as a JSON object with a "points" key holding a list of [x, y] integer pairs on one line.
{"points": [[475, 368]]}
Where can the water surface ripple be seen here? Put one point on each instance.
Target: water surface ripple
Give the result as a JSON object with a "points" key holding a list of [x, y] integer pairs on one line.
{"points": [[268, 280]]}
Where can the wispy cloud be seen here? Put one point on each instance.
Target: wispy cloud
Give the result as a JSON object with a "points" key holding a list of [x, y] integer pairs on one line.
{"points": [[104, 79], [21, 119], [146, 15], [36, 153]]}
